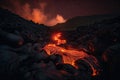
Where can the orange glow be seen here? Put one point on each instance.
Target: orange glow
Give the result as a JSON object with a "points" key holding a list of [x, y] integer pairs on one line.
{"points": [[57, 37], [60, 19], [36, 14], [62, 50], [69, 55]]}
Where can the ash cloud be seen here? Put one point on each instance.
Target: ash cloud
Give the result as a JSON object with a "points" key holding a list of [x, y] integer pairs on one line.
{"points": [[32, 10]]}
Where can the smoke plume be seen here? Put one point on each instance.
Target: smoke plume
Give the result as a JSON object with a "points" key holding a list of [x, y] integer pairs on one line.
{"points": [[34, 11]]}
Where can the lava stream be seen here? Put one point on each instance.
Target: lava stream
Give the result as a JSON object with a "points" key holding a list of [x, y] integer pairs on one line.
{"points": [[70, 55]]}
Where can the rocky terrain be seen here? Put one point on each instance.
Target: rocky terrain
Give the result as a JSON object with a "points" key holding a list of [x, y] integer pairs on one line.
{"points": [[22, 56], [101, 40], [75, 22]]}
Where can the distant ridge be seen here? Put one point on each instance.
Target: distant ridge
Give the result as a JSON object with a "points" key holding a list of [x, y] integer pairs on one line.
{"points": [[75, 22]]}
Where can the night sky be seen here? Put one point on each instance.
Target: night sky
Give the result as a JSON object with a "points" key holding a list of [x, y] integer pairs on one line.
{"points": [[50, 12]]}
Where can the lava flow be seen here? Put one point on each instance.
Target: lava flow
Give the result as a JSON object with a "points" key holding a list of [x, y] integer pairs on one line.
{"points": [[69, 55]]}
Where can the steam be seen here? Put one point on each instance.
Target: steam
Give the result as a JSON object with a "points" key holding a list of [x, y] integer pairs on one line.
{"points": [[35, 13], [57, 19]]}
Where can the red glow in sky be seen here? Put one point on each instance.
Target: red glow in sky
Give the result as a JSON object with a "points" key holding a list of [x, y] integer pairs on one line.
{"points": [[51, 12]]}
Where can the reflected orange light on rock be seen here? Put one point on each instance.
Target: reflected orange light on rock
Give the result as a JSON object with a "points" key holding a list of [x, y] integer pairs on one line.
{"points": [[69, 55]]}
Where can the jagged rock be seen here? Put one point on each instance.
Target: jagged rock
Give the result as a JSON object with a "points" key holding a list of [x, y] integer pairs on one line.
{"points": [[56, 58], [89, 65], [83, 66], [9, 62], [24, 58], [38, 56], [10, 38], [82, 76], [67, 67], [111, 57]]}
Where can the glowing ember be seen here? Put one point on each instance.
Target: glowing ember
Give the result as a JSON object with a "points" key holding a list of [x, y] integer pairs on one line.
{"points": [[57, 37], [69, 55]]}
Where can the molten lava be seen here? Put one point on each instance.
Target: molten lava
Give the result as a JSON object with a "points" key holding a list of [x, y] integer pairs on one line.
{"points": [[69, 55], [57, 39]]}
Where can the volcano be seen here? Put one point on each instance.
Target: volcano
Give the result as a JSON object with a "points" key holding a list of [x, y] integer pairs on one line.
{"points": [[30, 51]]}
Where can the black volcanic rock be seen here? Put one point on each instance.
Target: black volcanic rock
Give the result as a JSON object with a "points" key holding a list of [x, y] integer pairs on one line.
{"points": [[10, 38], [17, 45], [29, 61], [111, 57], [15, 24]]}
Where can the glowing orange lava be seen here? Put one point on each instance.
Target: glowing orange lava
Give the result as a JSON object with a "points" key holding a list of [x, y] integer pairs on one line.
{"points": [[57, 37], [69, 55]]}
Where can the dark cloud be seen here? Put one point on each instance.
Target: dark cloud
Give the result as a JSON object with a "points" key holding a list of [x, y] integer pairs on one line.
{"points": [[49, 9]]}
